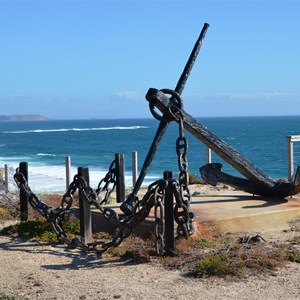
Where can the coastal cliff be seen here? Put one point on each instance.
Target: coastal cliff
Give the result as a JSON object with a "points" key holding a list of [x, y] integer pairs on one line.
{"points": [[33, 117]]}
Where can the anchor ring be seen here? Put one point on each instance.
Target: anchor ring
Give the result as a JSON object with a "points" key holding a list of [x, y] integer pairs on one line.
{"points": [[169, 116]]}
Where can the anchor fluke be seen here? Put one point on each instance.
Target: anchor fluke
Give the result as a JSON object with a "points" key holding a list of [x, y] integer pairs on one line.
{"points": [[212, 174]]}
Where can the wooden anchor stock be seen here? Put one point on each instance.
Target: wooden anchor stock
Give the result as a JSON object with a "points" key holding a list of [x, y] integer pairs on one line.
{"points": [[257, 182]]}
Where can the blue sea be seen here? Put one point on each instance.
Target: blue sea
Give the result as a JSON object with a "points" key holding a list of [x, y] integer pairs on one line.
{"points": [[94, 143]]}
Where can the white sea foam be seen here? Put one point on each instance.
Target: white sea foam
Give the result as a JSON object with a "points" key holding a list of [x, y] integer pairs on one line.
{"points": [[77, 129], [46, 154], [42, 178], [13, 160]]}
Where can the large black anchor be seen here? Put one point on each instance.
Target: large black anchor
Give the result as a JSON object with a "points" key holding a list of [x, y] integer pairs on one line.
{"points": [[257, 182]]}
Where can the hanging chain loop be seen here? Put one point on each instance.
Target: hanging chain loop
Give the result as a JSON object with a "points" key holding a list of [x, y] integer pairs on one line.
{"points": [[182, 214], [108, 183]]}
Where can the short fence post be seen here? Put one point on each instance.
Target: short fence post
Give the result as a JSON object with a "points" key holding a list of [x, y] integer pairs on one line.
{"points": [[208, 155], [84, 210], [23, 168], [6, 178], [134, 167], [290, 157], [68, 171], [169, 217], [120, 177]]}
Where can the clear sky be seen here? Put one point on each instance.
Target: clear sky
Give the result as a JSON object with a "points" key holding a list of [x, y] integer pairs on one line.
{"points": [[97, 59]]}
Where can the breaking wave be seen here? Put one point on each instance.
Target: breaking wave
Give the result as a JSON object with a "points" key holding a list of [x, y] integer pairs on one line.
{"points": [[78, 129]]}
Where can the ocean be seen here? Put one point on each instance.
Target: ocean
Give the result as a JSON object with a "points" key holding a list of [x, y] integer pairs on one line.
{"points": [[94, 143]]}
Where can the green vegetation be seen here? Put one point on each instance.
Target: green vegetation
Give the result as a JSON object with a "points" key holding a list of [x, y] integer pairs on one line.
{"points": [[5, 296], [219, 264], [294, 249], [294, 256], [40, 229], [4, 213]]}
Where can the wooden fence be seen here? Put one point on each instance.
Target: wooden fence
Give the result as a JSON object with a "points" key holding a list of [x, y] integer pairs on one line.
{"points": [[4, 173]]}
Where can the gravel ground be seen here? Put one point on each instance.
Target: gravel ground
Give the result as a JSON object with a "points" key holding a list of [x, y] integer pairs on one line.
{"points": [[33, 270]]}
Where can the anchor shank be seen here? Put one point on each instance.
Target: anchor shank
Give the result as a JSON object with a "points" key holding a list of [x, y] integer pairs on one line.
{"points": [[164, 125], [151, 153], [127, 206], [191, 61]]}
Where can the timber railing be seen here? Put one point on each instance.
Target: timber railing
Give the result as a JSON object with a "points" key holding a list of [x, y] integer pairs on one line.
{"points": [[292, 153], [120, 163]]}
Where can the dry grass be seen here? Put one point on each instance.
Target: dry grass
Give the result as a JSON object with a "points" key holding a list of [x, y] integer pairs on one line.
{"points": [[223, 256]]}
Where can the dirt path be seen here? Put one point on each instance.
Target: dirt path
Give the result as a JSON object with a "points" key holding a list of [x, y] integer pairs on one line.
{"points": [[33, 270]]}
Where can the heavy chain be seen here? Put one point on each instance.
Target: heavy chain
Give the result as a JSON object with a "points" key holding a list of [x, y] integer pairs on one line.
{"points": [[182, 214], [108, 183], [55, 216], [124, 224], [159, 197]]}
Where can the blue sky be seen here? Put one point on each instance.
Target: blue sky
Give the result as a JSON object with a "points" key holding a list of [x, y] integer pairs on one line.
{"points": [[97, 59]]}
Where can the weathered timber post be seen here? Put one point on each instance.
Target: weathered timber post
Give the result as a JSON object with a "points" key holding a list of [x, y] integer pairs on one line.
{"points": [[134, 167], [2, 179], [169, 216], [290, 157], [84, 210], [120, 177], [6, 178], [290, 143], [23, 168], [208, 155], [68, 171]]}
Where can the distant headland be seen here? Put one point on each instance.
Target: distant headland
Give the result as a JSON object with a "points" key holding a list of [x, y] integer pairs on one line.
{"points": [[6, 118]]}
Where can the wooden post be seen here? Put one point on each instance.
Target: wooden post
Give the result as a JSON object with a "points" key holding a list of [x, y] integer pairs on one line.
{"points": [[169, 217], [23, 168], [68, 171], [134, 168], [290, 157], [6, 178], [208, 155], [120, 177], [84, 210], [291, 139]]}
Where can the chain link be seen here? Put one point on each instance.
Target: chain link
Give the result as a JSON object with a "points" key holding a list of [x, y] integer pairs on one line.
{"points": [[182, 214], [108, 183], [159, 196]]}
